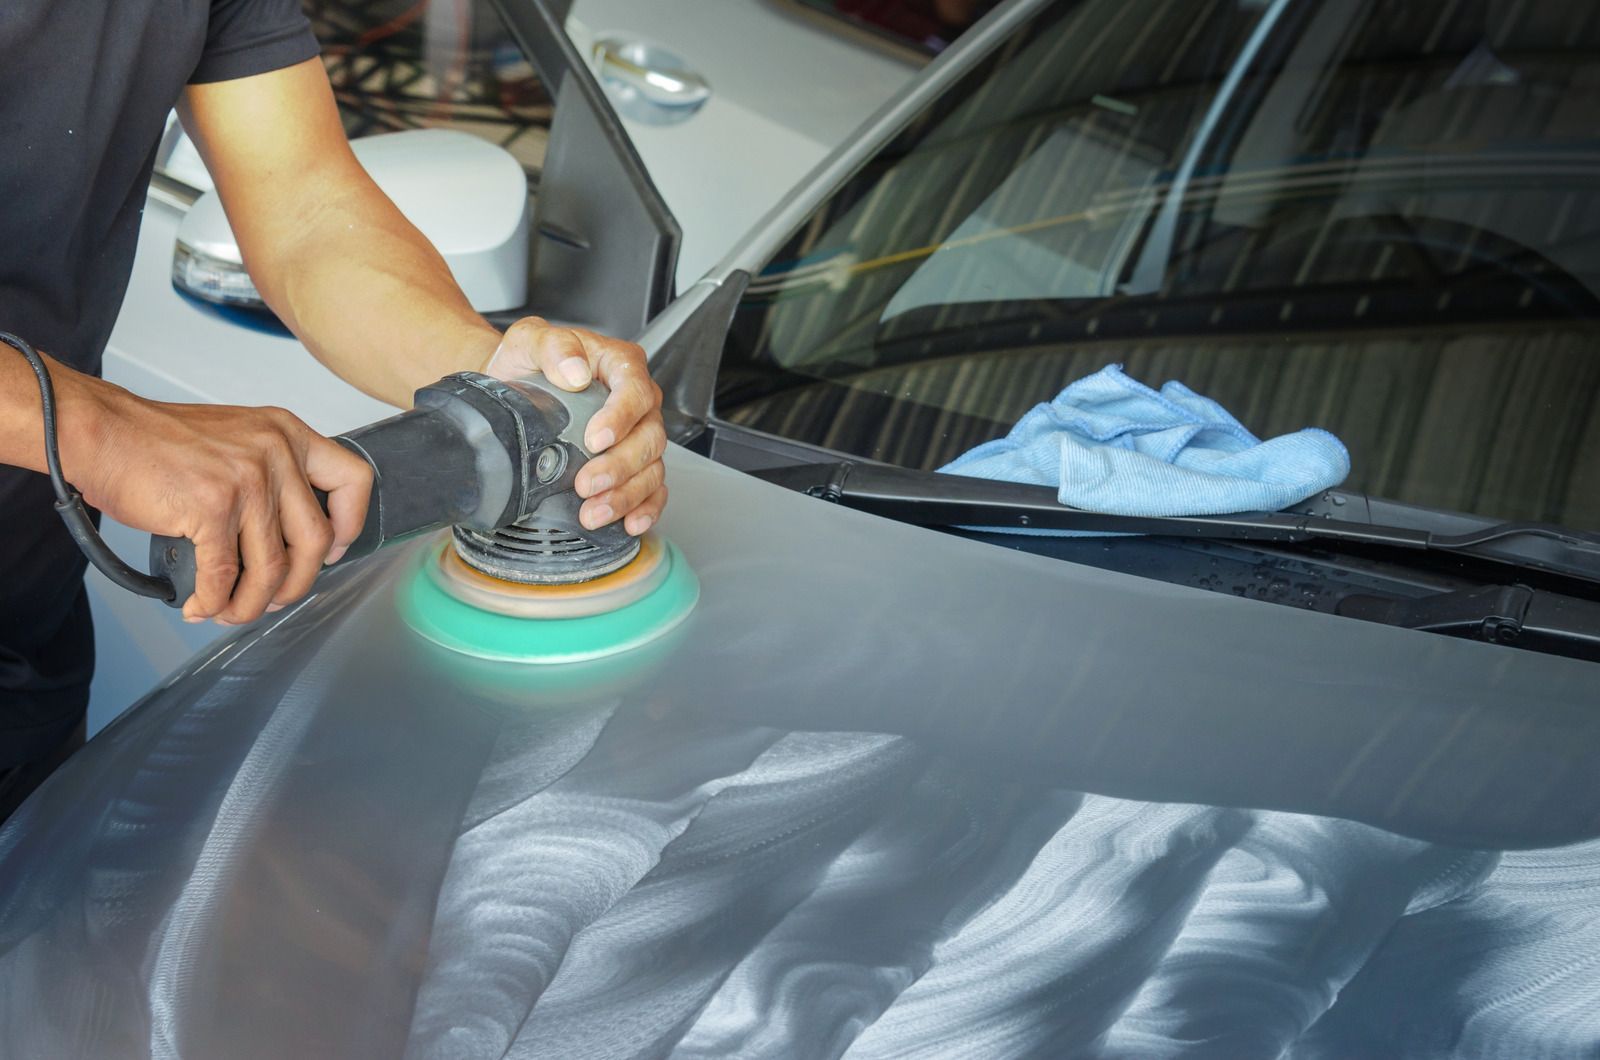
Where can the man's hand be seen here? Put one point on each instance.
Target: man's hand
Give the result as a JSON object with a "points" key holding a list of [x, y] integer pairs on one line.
{"points": [[627, 479], [235, 481]]}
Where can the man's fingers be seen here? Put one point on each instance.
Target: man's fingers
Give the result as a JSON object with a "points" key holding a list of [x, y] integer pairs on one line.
{"points": [[308, 537], [532, 345], [265, 563], [347, 480], [621, 366], [645, 515], [643, 447], [563, 359], [216, 562], [607, 507]]}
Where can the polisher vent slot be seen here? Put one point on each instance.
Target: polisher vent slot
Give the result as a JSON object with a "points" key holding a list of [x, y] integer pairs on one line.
{"points": [[536, 541], [546, 555]]}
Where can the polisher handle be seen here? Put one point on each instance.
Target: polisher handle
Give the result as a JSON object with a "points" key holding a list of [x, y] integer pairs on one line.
{"points": [[172, 558], [424, 476], [460, 456]]}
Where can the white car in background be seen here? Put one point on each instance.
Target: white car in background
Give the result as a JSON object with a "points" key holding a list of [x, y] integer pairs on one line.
{"points": [[727, 103]]}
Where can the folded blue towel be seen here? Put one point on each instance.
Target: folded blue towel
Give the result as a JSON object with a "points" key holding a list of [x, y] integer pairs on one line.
{"points": [[1111, 444]]}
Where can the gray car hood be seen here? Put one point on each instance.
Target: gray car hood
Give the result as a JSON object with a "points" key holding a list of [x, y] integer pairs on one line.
{"points": [[840, 808]]}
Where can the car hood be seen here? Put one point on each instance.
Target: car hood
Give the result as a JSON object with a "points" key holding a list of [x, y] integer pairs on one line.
{"points": [[841, 805]]}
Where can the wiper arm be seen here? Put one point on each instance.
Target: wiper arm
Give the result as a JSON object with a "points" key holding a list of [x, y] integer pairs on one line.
{"points": [[931, 498], [1500, 614]]}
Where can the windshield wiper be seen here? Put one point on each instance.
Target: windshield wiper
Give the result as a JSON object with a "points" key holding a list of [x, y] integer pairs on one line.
{"points": [[931, 498], [1500, 614]]}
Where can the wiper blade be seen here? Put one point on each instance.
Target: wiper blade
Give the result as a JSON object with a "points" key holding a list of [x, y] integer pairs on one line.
{"points": [[931, 498]]}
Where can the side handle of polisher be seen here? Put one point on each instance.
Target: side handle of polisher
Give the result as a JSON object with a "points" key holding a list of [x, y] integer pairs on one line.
{"points": [[459, 456]]}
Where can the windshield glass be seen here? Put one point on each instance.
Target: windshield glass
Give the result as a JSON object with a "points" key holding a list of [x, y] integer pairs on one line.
{"points": [[413, 64], [405, 64], [926, 26], [1377, 219]]}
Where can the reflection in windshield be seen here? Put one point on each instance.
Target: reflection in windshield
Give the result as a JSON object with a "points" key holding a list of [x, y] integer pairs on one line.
{"points": [[1378, 219], [926, 25], [425, 64], [1002, 250]]}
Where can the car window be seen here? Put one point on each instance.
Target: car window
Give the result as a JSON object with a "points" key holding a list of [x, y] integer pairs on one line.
{"points": [[924, 26], [400, 64], [1379, 219]]}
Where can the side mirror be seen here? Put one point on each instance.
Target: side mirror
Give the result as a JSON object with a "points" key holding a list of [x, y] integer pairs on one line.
{"points": [[467, 196]]}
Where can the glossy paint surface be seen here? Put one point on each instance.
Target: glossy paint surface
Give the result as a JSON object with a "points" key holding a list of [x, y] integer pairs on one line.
{"points": [[884, 792]]}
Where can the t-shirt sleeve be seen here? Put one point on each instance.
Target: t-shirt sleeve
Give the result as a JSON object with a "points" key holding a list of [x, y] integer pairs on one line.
{"points": [[248, 37]]}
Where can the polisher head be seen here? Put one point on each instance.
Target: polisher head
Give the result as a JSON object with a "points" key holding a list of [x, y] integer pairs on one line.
{"points": [[451, 601], [544, 588]]}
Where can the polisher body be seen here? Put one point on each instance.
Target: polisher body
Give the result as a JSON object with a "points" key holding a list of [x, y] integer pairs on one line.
{"points": [[496, 461]]}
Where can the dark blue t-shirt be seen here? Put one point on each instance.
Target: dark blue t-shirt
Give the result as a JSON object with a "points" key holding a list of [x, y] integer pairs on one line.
{"points": [[85, 88]]}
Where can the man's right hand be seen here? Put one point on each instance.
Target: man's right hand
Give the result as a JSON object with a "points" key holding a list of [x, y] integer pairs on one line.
{"points": [[235, 481]]}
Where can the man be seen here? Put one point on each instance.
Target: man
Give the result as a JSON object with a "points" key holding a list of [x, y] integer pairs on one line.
{"points": [[85, 87]]}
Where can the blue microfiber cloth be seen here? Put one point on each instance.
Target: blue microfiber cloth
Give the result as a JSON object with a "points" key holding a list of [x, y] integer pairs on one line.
{"points": [[1111, 444]]}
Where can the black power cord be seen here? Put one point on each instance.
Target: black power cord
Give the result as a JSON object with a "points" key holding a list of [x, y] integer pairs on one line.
{"points": [[69, 503]]}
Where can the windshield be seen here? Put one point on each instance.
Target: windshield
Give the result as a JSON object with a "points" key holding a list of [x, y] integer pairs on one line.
{"points": [[416, 64], [1377, 219], [413, 64], [926, 26]]}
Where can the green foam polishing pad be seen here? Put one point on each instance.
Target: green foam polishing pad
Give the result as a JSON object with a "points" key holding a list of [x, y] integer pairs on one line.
{"points": [[455, 624]]}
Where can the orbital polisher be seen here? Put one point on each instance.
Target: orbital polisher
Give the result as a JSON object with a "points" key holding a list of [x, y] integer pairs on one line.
{"points": [[518, 578]]}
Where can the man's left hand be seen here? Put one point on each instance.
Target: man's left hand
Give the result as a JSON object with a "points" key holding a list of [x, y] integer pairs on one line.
{"points": [[626, 480]]}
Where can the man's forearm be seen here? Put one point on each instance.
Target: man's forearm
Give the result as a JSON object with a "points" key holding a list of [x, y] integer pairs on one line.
{"points": [[332, 256], [22, 416], [237, 482], [372, 298]]}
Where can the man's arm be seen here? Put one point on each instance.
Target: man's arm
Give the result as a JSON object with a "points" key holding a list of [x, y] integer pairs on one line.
{"points": [[237, 482], [372, 299]]}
